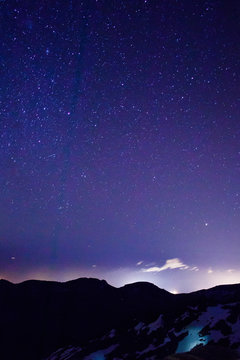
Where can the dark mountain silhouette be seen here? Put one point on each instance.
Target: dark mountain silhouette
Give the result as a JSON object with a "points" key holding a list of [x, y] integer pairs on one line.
{"points": [[84, 316]]}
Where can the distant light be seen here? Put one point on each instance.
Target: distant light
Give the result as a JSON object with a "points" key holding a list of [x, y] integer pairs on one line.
{"points": [[206, 224], [13, 258], [174, 291]]}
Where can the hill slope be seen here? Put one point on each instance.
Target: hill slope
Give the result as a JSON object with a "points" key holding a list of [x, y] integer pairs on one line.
{"points": [[89, 319]]}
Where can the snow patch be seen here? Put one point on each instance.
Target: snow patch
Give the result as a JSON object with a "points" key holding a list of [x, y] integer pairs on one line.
{"points": [[140, 326], [191, 340], [62, 354], [210, 317], [155, 325], [100, 355], [112, 333]]}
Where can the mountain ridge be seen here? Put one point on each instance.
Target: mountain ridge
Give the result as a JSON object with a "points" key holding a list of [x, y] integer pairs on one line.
{"points": [[80, 279], [40, 317]]}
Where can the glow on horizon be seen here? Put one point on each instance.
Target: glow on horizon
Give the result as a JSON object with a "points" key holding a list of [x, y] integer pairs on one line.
{"points": [[174, 281]]}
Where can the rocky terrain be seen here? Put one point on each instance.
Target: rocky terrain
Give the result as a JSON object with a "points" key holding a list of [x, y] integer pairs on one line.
{"points": [[87, 319]]}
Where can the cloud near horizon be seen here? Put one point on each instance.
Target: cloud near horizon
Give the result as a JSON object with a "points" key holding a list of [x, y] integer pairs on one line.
{"points": [[169, 264]]}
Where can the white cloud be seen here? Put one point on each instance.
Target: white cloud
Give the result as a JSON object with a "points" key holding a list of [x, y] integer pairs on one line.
{"points": [[210, 271], [139, 263], [169, 264], [194, 268]]}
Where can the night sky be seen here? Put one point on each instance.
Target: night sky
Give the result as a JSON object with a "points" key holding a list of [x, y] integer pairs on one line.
{"points": [[120, 141]]}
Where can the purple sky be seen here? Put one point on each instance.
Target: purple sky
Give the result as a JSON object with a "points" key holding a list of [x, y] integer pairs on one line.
{"points": [[120, 141]]}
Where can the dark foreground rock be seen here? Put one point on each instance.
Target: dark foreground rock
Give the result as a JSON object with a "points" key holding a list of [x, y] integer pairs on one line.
{"points": [[89, 319]]}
